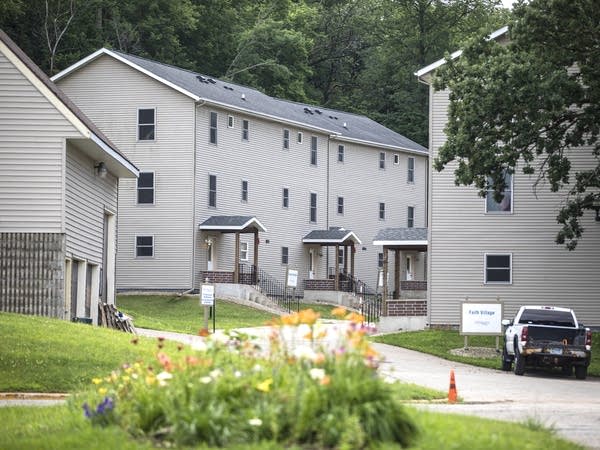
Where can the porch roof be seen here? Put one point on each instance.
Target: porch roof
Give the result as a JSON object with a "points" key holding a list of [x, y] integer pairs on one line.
{"points": [[333, 236], [232, 224], [402, 238]]}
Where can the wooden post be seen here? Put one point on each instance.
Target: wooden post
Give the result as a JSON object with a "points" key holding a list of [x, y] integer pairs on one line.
{"points": [[385, 273], [256, 242], [236, 266], [345, 259], [337, 267], [397, 273], [352, 251]]}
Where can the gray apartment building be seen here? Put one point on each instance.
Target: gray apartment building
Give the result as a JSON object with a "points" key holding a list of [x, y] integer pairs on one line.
{"points": [[230, 176]]}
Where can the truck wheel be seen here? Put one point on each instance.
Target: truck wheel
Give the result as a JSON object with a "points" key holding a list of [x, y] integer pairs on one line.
{"points": [[519, 368], [567, 370], [580, 372], [506, 360]]}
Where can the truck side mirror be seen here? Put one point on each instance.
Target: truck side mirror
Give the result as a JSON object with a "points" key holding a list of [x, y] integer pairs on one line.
{"points": [[506, 322]]}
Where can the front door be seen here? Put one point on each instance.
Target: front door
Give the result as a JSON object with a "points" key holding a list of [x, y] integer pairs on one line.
{"points": [[311, 264], [210, 257], [409, 268]]}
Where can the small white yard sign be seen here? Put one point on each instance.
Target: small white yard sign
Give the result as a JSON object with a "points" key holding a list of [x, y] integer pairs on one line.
{"points": [[207, 295], [481, 318], [292, 278]]}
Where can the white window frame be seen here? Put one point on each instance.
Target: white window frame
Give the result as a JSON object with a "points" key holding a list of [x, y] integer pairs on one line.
{"points": [[300, 137], [396, 159], [230, 121], [512, 199], [341, 153], [286, 139], [245, 130], [410, 221], [485, 268], [310, 210], [209, 191], [287, 256], [340, 205], [145, 124], [410, 171], [135, 246], [211, 128], [243, 251], [380, 260], [285, 197], [244, 200], [382, 160], [137, 189], [314, 146], [381, 210]]}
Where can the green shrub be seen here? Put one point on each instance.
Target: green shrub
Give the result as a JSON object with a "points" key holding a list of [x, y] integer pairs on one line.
{"points": [[309, 389]]}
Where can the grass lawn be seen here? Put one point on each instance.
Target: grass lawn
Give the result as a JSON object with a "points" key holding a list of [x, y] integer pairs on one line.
{"points": [[440, 342], [65, 428], [184, 315]]}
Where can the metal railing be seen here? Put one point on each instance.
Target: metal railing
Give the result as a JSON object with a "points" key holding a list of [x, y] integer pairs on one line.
{"points": [[270, 287], [370, 301]]}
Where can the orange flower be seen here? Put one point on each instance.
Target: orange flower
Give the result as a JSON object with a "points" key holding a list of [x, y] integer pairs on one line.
{"points": [[325, 380], [339, 311], [369, 352], [165, 361], [291, 319], [308, 316], [192, 360], [319, 358], [203, 332], [355, 317]]}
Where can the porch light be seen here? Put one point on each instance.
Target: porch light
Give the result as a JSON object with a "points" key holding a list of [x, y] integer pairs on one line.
{"points": [[101, 169]]}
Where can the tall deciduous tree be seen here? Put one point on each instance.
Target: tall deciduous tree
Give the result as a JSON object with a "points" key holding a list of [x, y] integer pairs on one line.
{"points": [[533, 104]]}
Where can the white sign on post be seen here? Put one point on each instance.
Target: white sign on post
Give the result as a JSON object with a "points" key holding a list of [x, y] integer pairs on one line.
{"points": [[207, 296], [292, 278], [481, 318]]}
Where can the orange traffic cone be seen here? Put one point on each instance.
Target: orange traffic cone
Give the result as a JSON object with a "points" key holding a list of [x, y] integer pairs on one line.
{"points": [[452, 395]]}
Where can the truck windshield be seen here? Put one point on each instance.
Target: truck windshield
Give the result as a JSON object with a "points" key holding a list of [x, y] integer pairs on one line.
{"points": [[547, 317]]}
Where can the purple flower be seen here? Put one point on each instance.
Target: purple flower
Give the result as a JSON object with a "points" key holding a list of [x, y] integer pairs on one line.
{"points": [[86, 410]]}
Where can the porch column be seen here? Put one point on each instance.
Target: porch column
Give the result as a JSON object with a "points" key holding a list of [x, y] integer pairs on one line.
{"points": [[396, 273], [352, 251], [345, 259], [256, 242], [384, 281], [236, 262], [337, 267]]}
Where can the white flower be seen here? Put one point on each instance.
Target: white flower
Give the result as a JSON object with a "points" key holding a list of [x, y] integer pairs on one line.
{"points": [[305, 352], [163, 377], [257, 368], [205, 380], [237, 374], [255, 422], [220, 337], [317, 374], [215, 373], [198, 345], [388, 379]]}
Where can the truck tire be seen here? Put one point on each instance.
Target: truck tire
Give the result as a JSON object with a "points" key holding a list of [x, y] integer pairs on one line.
{"points": [[580, 372], [506, 360], [567, 370], [519, 367]]}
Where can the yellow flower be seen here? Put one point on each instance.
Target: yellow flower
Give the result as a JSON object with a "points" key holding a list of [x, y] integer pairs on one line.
{"points": [[150, 379], [340, 312], [96, 380], [125, 378], [102, 391], [308, 316], [265, 386], [355, 317]]}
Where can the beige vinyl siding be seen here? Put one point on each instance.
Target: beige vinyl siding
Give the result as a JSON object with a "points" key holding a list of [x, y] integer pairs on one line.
{"points": [[110, 93], [32, 142], [268, 168], [542, 272], [87, 197], [363, 185]]}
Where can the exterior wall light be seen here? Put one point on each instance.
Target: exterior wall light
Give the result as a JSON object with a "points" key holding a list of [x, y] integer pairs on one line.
{"points": [[101, 169]]}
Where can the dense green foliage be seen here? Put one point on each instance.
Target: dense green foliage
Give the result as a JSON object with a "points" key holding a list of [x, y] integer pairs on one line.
{"points": [[531, 105], [440, 342], [356, 55]]}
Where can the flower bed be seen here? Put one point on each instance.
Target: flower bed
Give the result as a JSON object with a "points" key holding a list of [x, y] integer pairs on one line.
{"points": [[309, 389]]}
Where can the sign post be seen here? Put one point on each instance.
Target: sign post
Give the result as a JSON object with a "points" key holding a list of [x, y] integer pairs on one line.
{"points": [[481, 319], [291, 280], [207, 300]]}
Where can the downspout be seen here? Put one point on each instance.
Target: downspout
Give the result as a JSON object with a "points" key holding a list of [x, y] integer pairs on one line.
{"points": [[327, 208]]}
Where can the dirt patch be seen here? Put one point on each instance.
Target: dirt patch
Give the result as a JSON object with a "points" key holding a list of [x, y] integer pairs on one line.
{"points": [[476, 352]]}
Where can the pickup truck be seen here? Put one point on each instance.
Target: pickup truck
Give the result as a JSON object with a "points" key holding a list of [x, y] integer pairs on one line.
{"points": [[546, 336]]}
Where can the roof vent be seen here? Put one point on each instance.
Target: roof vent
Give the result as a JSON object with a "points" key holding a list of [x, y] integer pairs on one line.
{"points": [[201, 78], [306, 110], [211, 81], [345, 125], [318, 111], [243, 96]]}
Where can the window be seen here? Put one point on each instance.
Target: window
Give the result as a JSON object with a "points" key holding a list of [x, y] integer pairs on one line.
{"points": [[285, 256], [313, 207], [230, 121], [286, 198], [396, 158], [212, 191], [286, 139], [498, 269], [380, 260], [213, 128], [146, 124], [411, 170], [411, 217], [313, 150], [145, 188], [505, 205], [340, 255], [243, 251], [381, 211], [244, 190], [244, 130], [341, 153], [340, 205], [382, 160], [144, 246], [300, 136]]}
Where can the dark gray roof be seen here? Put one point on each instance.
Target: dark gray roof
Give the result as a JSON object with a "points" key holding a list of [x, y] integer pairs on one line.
{"points": [[231, 223], [400, 234], [61, 95], [331, 236], [230, 94]]}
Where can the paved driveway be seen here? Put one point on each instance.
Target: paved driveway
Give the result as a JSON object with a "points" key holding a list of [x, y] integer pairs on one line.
{"points": [[570, 406]]}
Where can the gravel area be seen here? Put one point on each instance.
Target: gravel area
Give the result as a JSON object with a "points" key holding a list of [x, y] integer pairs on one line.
{"points": [[475, 352]]}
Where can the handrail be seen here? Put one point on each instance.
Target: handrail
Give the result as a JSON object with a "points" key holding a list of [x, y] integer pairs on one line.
{"points": [[269, 286]]}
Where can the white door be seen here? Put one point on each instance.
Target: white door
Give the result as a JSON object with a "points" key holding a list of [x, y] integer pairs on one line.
{"points": [[209, 257], [311, 264], [409, 268]]}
